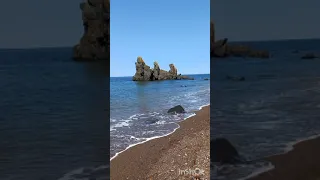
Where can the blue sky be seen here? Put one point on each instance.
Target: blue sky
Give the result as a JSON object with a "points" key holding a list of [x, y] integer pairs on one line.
{"points": [[266, 20], [40, 23], [167, 31]]}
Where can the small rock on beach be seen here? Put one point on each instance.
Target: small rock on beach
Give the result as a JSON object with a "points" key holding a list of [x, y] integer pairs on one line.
{"points": [[221, 150], [177, 109]]}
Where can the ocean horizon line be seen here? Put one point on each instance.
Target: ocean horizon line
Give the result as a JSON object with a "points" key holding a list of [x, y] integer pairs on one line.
{"points": [[232, 41], [35, 48], [181, 74], [269, 40]]}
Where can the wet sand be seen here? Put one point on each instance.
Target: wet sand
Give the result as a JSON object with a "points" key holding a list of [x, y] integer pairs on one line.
{"points": [[301, 163], [188, 148]]}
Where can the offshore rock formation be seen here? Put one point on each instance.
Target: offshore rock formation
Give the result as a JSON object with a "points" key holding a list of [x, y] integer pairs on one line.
{"points": [[95, 42], [221, 48], [310, 56], [212, 38], [145, 73]]}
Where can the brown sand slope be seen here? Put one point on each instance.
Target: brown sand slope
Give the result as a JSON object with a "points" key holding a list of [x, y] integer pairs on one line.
{"points": [[187, 148], [302, 163]]}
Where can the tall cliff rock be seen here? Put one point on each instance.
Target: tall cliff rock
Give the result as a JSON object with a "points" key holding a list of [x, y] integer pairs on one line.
{"points": [[212, 37], [95, 42], [145, 73]]}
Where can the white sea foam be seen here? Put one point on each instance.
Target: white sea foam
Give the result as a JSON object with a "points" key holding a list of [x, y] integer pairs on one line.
{"points": [[81, 171], [161, 122], [120, 124], [259, 171], [135, 116], [155, 137], [289, 147], [204, 106], [148, 139], [138, 139]]}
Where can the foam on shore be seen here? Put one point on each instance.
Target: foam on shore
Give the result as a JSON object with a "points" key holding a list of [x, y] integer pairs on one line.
{"points": [[203, 107], [148, 139], [259, 171], [87, 173], [156, 137], [289, 147]]}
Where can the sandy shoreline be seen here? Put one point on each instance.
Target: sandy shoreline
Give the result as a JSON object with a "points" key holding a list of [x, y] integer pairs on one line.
{"points": [[188, 148], [301, 163]]}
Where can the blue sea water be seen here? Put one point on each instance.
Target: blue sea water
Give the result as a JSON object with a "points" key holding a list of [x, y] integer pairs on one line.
{"points": [[138, 110], [277, 104], [52, 116]]}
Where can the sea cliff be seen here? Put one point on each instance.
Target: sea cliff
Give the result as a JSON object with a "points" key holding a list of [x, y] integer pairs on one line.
{"points": [[95, 42]]}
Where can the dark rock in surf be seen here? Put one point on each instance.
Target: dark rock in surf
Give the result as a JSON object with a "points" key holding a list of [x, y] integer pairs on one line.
{"points": [[310, 56], [177, 109], [145, 73], [206, 79], [222, 151], [236, 78], [152, 120]]}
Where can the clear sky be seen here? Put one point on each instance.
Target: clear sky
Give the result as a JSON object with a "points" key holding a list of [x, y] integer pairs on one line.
{"points": [[167, 31], [40, 23], [266, 20]]}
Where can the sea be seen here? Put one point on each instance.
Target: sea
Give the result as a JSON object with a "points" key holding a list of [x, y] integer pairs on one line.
{"points": [[276, 106], [138, 110], [53, 113]]}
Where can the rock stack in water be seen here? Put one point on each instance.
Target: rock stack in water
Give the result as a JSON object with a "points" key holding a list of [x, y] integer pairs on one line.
{"points": [[95, 42], [221, 48], [145, 73], [212, 37]]}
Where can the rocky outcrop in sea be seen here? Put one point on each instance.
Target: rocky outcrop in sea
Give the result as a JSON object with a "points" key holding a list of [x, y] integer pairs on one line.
{"points": [[221, 48], [95, 42], [212, 38], [145, 73]]}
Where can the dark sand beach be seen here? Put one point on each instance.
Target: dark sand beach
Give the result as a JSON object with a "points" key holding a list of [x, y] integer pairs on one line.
{"points": [[301, 163], [163, 158]]}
